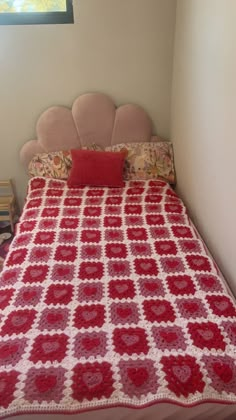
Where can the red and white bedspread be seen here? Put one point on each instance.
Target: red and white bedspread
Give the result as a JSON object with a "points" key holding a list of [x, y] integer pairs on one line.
{"points": [[109, 298]]}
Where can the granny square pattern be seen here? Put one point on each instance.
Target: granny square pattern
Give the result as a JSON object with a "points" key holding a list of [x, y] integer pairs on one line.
{"points": [[108, 297]]}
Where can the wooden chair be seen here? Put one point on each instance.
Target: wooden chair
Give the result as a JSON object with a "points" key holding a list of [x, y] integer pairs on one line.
{"points": [[7, 202]]}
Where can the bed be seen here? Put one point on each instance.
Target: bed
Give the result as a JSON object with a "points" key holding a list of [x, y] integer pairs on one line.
{"points": [[111, 305]]}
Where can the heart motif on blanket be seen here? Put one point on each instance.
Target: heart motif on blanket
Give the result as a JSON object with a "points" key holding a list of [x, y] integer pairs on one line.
{"points": [[146, 266], [154, 208], [92, 379], [60, 293], [11, 275], [165, 247], [154, 199], [133, 208], [29, 295], [89, 315], [114, 200], [67, 236], [91, 222], [172, 263], [124, 312], [138, 376], [114, 235], [91, 270], [49, 347], [22, 239], [55, 192], [112, 221], [48, 223], [223, 371], [206, 334], [45, 383], [44, 237], [133, 220], [155, 219], [52, 318], [151, 286], [69, 222], [159, 232], [52, 201], [130, 339], [90, 291], [39, 253], [71, 212], [35, 184], [92, 211], [72, 201], [233, 329], [136, 190], [90, 343], [198, 262], [137, 233], [182, 373], [191, 307], [158, 310], [116, 249], [49, 212], [66, 252], [19, 320], [140, 248], [208, 281], [173, 207], [16, 255], [36, 272], [90, 251], [190, 246], [169, 336], [27, 225], [3, 385], [3, 297], [90, 235], [121, 288], [222, 306], [63, 271], [31, 213], [180, 284], [8, 350], [92, 201], [119, 267], [182, 231]]}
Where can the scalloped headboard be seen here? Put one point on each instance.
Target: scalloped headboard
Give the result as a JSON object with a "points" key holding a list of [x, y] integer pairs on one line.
{"points": [[93, 118]]}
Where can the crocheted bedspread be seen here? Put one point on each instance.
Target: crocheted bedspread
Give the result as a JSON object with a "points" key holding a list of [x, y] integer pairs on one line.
{"points": [[109, 298]]}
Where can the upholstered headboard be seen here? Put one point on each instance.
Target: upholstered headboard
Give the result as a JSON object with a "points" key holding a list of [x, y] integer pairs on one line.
{"points": [[93, 118]]}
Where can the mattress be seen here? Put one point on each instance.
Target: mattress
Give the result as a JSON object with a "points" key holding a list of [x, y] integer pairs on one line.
{"points": [[109, 299]]}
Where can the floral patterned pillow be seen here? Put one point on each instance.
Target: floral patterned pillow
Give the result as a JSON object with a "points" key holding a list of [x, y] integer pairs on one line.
{"points": [[148, 160], [51, 165], [54, 164]]}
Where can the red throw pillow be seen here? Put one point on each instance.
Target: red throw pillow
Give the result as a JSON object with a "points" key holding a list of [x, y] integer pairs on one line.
{"points": [[89, 167]]}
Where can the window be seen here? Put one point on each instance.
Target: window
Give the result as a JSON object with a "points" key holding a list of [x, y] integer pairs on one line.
{"points": [[31, 12]]}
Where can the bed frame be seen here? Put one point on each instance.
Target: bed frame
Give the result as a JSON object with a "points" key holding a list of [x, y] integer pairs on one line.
{"points": [[94, 118]]}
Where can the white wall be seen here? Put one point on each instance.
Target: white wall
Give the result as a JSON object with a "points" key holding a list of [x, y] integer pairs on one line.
{"points": [[120, 47], [204, 122]]}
